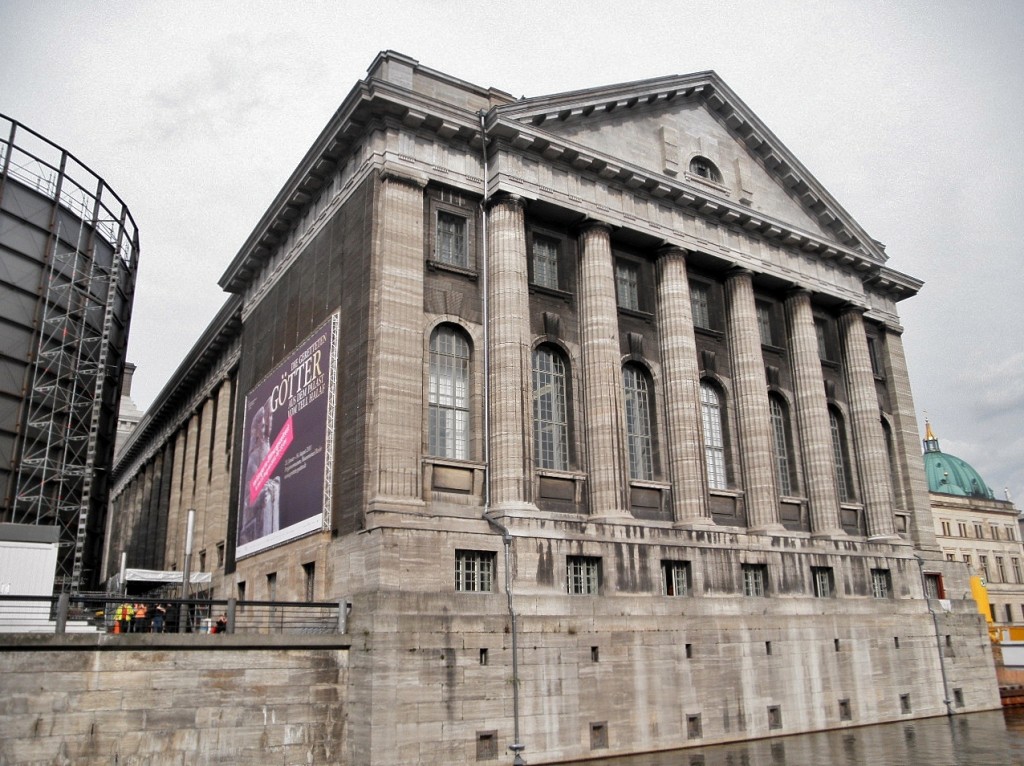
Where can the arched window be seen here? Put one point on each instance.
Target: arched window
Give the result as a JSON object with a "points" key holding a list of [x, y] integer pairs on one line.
{"points": [[638, 423], [550, 410], [714, 436], [781, 444], [840, 457], [448, 395], [705, 168]]}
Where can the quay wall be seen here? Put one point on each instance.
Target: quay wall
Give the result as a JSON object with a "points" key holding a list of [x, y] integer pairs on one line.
{"points": [[159, 700]]}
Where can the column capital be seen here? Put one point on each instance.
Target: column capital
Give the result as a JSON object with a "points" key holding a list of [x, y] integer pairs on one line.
{"points": [[737, 272], [407, 176], [796, 291], [590, 224], [671, 251], [505, 198], [852, 308]]}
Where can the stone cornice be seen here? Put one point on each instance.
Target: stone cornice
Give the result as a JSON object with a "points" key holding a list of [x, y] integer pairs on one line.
{"points": [[369, 102], [520, 127]]}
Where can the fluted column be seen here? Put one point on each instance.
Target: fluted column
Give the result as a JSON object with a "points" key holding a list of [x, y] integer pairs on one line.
{"points": [[869, 441], [682, 389], [815, 436], [907, 444], [396, 355], [603, 398], [509, 350], [750, 393]]}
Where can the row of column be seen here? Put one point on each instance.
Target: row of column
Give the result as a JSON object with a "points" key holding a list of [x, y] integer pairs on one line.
{"points": [[603, 421]]}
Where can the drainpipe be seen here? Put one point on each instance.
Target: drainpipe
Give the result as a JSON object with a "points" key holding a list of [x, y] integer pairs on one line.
{"points": [[506, 537], [938, 638]]}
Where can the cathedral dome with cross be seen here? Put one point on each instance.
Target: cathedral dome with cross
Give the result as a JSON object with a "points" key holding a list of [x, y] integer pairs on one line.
{"points": [[949, 474]]}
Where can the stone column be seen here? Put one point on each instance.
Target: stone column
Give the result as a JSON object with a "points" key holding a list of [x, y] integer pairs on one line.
{"points": [[815, 435], [750, 394], [603, 398], [682, 389], [509, 350], [870, 453], [907, 443], [396, 401]]}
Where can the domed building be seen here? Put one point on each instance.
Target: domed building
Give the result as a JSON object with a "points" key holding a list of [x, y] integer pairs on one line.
{"points": [[973, 526]]}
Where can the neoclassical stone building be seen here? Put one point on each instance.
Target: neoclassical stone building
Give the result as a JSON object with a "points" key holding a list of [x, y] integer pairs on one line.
{"points": [[973, 526], [602, 390]]}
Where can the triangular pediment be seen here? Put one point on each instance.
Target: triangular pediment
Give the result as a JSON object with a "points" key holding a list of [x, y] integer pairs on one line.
{"points": [[661, 126]]}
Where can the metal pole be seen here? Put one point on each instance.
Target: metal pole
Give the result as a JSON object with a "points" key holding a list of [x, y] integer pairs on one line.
{"points": [[938, 639], [183, 609], [122, 577]]}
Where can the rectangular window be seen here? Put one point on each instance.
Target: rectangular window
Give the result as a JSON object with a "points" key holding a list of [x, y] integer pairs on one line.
{"points": [[694, 729], [1009, 613], [945, 528], [1010, 534], [240, 589], [677, 577], [962, 529], [844, 710], [487, 745], [545, 262], [1000, 569], [950, 557], [967, 558], [755, 577], [881, 583], [700, 304], [978, 531], [450, 242], [983, 563], [933, 586], [583, 575], [764, 323], [272, 586], [627, 285], [824, 582], [1015, 566], [309, 577], [474, 571], [220, 554]]}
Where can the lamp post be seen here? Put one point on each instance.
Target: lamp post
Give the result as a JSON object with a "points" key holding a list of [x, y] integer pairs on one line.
{"points": [[183, 609]]}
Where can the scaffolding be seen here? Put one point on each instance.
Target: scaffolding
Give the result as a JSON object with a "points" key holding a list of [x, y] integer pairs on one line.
{"points": [[73, 376]]}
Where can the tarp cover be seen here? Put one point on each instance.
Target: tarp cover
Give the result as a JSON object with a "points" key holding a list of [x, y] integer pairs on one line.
{"points": [[114, 584], [155, 575]]}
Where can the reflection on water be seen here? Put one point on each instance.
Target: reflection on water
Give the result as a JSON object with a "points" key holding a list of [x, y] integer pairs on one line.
{"points": [[977, 739]]}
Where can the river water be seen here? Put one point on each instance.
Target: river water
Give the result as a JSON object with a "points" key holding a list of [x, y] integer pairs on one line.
{"points": [[976, 739]]}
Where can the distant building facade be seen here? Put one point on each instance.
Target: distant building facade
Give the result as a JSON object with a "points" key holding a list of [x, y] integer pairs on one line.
{"points": [[974, 527], [69, 253], [605, 375]]}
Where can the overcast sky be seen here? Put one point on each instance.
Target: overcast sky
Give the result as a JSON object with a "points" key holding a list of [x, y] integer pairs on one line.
{"points": [[910, 113]]}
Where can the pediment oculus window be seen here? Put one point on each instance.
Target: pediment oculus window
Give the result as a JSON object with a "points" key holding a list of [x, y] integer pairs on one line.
{"points": [[702, 167]]}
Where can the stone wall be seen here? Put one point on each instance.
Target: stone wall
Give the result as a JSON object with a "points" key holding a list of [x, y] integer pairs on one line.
{"points": [[154, 700]]}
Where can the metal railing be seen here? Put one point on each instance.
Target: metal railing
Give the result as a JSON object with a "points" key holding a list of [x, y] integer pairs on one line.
{"points": [[108, 613]]}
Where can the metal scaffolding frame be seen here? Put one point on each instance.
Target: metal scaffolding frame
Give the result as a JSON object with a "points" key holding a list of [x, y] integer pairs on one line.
{"points": [[89, 268]]}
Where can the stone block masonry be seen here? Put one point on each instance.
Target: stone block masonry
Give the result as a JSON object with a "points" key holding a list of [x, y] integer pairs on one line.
{"points": [[156, 701]]}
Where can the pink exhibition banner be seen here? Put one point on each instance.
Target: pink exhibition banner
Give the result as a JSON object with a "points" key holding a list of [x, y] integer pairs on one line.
{"points": [[287, 443]]}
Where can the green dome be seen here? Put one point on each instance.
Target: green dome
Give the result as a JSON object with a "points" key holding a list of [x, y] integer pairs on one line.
{"points": [[949, 474]]}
